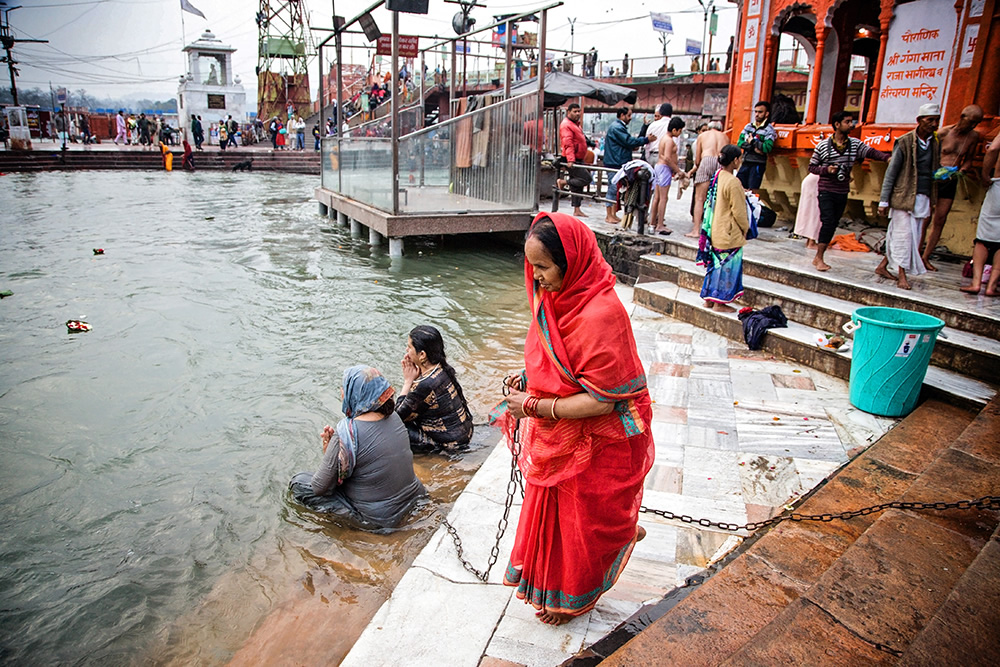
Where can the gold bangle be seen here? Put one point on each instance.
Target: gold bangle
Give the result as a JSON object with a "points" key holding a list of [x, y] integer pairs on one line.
{"points": [[552, 409]]}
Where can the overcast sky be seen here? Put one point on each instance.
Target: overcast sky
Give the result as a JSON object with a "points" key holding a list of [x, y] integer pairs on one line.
{"points": [[130, 48]]}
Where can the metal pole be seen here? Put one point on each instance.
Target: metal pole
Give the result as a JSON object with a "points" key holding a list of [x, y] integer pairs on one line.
{"points": [[540, 104], [508, 51], [322, 98], [338, 131], [452, 97], [394, 110]]}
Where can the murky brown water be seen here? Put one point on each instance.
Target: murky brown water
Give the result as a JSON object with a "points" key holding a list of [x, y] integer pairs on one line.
{"points": [[143, 465]]}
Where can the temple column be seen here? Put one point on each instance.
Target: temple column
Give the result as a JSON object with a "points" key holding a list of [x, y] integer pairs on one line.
{"points": [[817, 77], [884, 19], [770, 69]]}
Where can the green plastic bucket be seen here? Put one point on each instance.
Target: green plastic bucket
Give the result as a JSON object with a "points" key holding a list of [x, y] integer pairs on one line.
{"points": [[892, 349]]}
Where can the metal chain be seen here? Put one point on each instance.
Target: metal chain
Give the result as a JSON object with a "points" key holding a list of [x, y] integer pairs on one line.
{"points": [[513, 485], [986, 502]]}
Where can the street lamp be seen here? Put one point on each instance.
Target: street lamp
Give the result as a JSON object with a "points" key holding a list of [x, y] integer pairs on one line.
{"points": [[708, 8]]}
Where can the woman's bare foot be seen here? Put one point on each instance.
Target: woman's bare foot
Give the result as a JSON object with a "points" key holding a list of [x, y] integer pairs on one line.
{"points": [[883, 273], [989, 293], [709, 304], [640, 534], [811, 245], [552, 618], [693, 234], [971, 289], [724, 308], [578, 212]]}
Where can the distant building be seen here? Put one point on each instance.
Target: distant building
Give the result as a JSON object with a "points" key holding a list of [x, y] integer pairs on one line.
{"points": [[210, 89]]}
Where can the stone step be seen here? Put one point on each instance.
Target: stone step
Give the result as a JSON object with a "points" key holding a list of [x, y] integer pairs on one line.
{"points": [[741, 610], [874, 294], [797, 342], [970, 354]]}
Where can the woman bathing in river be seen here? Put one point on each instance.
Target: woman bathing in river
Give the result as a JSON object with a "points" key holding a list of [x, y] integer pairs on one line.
{"points": [[431, 402], [366, 478], [583, 415]]}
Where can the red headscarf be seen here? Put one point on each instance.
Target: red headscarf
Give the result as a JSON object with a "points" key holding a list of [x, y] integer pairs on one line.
{"points": [[580, 340]]}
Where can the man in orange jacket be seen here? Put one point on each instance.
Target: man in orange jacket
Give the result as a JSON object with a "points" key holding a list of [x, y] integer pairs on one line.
{"points": [[574, 148]]}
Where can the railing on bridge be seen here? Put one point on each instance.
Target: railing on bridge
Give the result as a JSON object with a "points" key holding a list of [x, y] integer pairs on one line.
{"points": [[483, 161]]}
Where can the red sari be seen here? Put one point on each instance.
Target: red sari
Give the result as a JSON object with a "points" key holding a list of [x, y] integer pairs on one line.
{"points": [[583, 477]]}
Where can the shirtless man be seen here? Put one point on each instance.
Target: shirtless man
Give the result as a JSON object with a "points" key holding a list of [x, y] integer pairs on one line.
{"points": [[706, 160], [988, 227], [666, 167], [958, 144]]}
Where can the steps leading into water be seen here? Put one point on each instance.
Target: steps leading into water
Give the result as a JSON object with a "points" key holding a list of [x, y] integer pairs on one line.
{"points": [[970, 354], [900, 586], [301, 162]]}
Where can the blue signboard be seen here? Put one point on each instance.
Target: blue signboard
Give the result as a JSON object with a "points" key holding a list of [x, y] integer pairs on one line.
{"points": [[692, 47], [662, 22]]}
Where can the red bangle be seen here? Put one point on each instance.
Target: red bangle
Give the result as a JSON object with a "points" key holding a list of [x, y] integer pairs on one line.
{"points": [[530, 406]]}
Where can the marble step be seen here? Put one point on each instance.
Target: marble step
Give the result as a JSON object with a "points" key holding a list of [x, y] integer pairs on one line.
{"points": [[797, 342], [761, 608], [832, 284], [972, 355]]}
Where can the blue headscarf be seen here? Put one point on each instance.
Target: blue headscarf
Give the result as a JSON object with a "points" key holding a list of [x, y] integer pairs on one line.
{"points": [[365, 389]]}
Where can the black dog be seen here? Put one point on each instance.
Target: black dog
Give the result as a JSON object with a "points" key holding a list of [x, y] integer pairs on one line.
{"points": [[246, 165]]}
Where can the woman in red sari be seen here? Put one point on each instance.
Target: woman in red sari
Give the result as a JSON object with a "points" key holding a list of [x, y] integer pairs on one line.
{"points": [[583, 420]]}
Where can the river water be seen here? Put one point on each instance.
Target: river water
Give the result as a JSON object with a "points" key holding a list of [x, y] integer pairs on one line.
{"points": [[143, 465]]}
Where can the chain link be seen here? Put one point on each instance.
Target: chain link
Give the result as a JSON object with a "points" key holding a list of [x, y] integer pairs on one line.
{"points": [[986, 503], [513, 484]]}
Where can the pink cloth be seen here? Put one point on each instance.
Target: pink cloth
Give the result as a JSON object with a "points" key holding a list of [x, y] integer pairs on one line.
{"points": [[807, 221]]}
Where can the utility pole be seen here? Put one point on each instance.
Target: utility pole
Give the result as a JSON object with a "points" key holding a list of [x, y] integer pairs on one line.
{"points": [[8, 41]]}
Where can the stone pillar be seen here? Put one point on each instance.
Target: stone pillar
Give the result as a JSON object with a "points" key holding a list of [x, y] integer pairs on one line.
{"points": [[342, 219], [374, 238], [817, 79], [395, 246], [356, 228], [324, 210], [332, 213], [885, 18]]}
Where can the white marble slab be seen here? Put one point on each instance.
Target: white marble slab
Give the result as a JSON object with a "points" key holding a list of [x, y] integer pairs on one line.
{"points": [[752, 386], [417, 624], [711, 473]]}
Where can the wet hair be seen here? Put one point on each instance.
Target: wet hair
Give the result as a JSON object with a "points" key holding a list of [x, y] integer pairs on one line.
{"points": [[666, 109], [765, 104], [729, 153], [621, 112], [840, 116], [676, 123], [427, 339], [545, 231], [572, 106]]}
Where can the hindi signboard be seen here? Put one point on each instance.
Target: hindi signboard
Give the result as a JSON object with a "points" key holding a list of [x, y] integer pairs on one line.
{"points": [[662, 22], [692, 47], [409, 46], [917, 58]]}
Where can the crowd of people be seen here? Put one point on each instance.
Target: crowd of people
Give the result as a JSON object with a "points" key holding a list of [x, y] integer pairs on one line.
{"points": [[918, 190]]}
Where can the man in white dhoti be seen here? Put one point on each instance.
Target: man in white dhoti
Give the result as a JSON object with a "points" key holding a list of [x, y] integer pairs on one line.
{"points": [[908, 195]]}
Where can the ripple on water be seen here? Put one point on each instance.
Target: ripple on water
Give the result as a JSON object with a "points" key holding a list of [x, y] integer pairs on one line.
{"points": [[144, 464]]}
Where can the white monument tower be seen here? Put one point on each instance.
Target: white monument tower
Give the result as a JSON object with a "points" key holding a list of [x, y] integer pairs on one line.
{"points": [[209, 89]]}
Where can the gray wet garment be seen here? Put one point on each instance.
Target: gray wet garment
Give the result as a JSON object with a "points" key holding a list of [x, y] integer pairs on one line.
{"points": [[383, 487]]}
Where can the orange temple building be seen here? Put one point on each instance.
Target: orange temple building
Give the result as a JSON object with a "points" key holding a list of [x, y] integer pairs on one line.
{"points": [[903, 55]]}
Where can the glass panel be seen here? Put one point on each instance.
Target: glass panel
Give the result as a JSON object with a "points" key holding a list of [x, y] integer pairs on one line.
{"points": [[485, 160], [366, 171]]}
